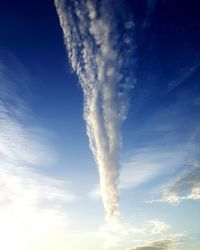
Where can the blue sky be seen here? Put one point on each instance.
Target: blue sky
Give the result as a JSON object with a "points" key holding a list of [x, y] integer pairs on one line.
{"points": [[99, 125]]}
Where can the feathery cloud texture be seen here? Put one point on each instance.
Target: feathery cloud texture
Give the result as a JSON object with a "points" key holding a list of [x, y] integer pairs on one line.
{"points": [[185, 187], [98, 46], [30, 202]]}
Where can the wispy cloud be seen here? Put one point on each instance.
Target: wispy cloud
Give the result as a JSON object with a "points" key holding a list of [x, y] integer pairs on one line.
{"points": [[31, 204], [184, 76], [121, 235], [148, 164], [158, 226], [99, 53], [165, 244], [185, 187]]}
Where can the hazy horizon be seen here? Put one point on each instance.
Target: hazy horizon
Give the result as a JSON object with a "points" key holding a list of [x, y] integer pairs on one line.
{"points": [[100, 125]]}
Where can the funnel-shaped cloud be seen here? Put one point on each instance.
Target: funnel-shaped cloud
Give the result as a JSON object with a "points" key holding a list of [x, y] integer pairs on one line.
{"points": [[98, 42]]}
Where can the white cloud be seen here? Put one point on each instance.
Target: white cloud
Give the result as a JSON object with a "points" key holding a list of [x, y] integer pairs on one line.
{"points": [[165, 244], [31, 204], [158, 226], [184, 187], [148, 164], [19, 144], [94, 50], [119, 235]]}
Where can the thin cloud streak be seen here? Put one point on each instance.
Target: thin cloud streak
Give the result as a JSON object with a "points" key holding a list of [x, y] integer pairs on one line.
{"points": [[93, 44], [185, 187]]}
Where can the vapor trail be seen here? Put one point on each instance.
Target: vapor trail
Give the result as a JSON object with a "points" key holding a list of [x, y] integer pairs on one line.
{"points": [[98, 43]]}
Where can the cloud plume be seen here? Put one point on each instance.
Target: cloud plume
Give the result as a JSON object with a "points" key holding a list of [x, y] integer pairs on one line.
{"points": [[99, 45]]}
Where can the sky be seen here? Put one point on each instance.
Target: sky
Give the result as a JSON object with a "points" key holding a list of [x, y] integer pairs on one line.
{"points": [[99, 125]]}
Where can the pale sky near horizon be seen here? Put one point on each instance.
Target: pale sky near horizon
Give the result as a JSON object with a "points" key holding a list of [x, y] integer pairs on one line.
{"points": [[133, 68]]}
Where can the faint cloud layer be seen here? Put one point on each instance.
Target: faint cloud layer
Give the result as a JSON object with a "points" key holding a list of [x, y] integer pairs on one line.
{"points": [[184, 76], [157, 226], [31, 204], [148, 164], [185, 187], [167, 244], [121, 234]]}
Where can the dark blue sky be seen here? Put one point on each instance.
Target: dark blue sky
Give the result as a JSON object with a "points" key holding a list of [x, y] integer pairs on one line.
{"points": [[166, 34], [42, 103], [165, 67]]}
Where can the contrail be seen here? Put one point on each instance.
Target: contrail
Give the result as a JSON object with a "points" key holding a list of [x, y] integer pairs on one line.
{"points": [[99, 45]]}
